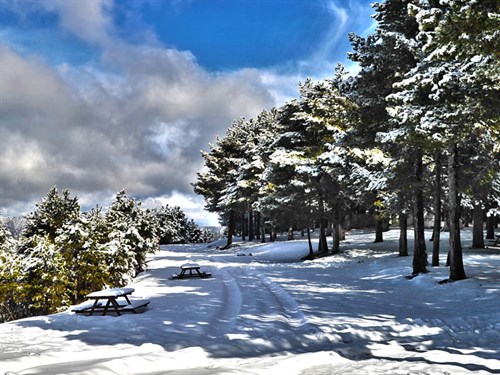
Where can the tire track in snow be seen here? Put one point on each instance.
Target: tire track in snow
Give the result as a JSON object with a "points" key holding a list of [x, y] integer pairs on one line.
{"points": [[255, 308], [260, 310], [293, 315], [225, 320], [289, 313]]}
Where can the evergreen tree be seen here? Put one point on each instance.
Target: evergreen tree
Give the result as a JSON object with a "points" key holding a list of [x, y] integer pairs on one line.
{"points": [[83, 245], [257, 136], [170, 221], [311, 166], [218, 185], [9, 276], [294, 168], [66, 254], [384, 57], [453, 90], [8, 243], [133, 234], [44, 278], [50, 214], [174, 227], [427, 95]]}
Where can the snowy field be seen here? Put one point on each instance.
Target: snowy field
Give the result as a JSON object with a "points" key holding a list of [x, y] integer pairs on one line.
{"points": [[266, 313]]}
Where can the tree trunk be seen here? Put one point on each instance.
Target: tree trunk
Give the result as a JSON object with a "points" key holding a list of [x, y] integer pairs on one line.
{"points": [[336, 228], [262, 229], [379, 230], [445, 213], [403, 236], [490, 227], [251, 233], [420, 261], [342, 227], [465, 216], [243, 227], [257, 225], [323, 244], [311, 252], [230, 230], [436, 233], [477, 226], [457, 271]]}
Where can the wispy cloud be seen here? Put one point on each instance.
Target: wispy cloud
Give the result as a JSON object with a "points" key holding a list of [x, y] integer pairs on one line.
{"points": [[345, 17]]}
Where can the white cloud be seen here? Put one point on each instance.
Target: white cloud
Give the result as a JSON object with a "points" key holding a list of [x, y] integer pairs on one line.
{"points": [[167, 136], [91, 21], [135, 119], [191, 205], [90, 131], [282, 87]]}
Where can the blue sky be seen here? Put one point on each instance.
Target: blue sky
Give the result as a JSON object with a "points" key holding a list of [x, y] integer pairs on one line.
{"points": [[230, 34], [221, 34], [102, 95]]}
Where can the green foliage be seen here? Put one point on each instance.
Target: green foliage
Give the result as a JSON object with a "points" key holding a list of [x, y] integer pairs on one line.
{"points": [[9, 276], [7, 242], [172, 225], [83, 247], [51, 213], [134, 234], [65, 254], [44, 278]]}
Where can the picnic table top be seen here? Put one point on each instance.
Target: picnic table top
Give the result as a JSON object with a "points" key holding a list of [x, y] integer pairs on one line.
{"points": [[113, 292], [190, 265]]}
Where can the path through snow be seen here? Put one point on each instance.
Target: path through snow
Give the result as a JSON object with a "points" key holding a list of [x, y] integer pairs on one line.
{"points": [[266, 314]]}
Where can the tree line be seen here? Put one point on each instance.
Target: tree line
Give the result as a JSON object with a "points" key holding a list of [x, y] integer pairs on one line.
{"points": [[63, 254], [415, 130]]}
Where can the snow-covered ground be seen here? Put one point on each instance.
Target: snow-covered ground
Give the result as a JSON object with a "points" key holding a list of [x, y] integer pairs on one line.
{"points": [[266, 313]]}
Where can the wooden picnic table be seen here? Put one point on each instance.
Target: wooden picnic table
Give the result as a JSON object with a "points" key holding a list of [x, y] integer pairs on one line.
{"points": [[107, 301], [190, 270]]}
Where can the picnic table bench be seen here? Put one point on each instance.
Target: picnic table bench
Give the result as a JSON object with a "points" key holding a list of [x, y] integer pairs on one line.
{"points": [[190, 270], [497, 241], [107, 301]]}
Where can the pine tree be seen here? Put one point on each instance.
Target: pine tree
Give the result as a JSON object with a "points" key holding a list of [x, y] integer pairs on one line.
{"points": [[384, 57], [133, 234], [44, 280], [43, 277], [175, 227], [257, 137], [308, 167], [9, 276], [8, 243], [169, 224], [219, 184], [83, 246], [50, 214], [452, 93]]}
